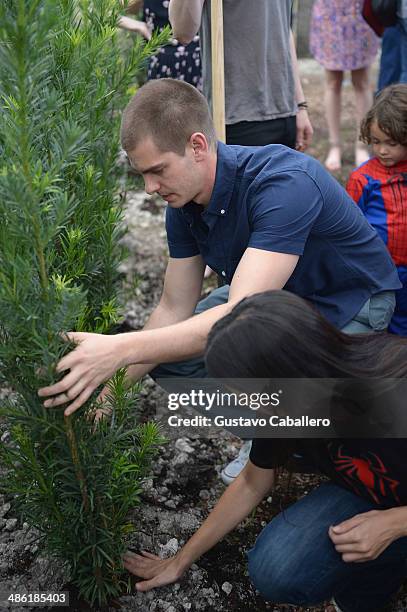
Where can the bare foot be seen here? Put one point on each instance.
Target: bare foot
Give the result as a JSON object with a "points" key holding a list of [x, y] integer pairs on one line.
{"points": [[333, 162], [361, 155]]}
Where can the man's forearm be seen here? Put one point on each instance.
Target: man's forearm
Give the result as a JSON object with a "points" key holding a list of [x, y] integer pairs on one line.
{"points": [[185, 18], [160, 317], [173, 343], [299, 93]]}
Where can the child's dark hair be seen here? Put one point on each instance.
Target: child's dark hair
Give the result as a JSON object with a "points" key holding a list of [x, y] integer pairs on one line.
{"points": [[389, 110]]}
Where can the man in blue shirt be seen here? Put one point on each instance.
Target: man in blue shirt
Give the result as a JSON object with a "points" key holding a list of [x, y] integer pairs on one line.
{"points": [[262, 217], [272, 204]]}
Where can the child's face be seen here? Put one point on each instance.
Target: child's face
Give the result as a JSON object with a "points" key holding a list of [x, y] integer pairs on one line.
{"points": [[385, 148]]}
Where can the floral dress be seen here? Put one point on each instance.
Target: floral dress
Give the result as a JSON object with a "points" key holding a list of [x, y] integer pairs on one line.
{"points": [[182, 62], [340, 39]]}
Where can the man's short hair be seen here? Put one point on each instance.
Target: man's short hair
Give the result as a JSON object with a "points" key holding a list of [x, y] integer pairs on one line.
{"points": [[389, 110], [169, 112]]}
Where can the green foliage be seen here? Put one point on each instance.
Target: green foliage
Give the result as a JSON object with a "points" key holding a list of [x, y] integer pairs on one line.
{"points": [[76, 482], [63, 83]]}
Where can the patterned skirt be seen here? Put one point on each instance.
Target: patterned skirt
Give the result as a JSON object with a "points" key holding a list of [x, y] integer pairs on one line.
{"points": [[178, 62], [340, 39]]}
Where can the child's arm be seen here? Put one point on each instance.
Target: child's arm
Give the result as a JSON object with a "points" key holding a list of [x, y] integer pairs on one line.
{"points": [[357, 187]]}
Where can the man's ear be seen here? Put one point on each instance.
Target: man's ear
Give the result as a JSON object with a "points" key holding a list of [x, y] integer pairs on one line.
{"points": [[199, 145]]}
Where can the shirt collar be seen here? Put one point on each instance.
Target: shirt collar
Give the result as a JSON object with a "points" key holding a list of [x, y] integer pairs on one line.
{"points": [[226, 168]]}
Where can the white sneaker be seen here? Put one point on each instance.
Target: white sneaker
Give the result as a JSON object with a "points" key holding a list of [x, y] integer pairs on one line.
{"points": [[335, 605], [233, 469]]}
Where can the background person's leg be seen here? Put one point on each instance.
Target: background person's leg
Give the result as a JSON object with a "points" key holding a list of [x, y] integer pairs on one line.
{"points": [[295, 562], [403, 49], [333, 117], [390, 59], [363, 102]]}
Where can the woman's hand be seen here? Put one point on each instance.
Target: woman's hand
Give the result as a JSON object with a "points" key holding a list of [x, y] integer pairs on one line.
{"points": [[365, 536], [155, 571], [94, 360], [236, 503]]}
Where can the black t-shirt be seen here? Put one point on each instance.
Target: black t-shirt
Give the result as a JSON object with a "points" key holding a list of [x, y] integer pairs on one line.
{"points": [[373, 469]]}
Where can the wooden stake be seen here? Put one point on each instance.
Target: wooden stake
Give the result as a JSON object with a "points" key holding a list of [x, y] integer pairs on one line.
{"points": [[218, 69]]}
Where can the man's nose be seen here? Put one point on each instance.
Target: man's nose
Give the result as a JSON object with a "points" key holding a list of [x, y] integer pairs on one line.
{"points": [[151, 185]]}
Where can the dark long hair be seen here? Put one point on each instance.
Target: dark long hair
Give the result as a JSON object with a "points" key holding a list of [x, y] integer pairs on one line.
{"points": [[280, 335]]}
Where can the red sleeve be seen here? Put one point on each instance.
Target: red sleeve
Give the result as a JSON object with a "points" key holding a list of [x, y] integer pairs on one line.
{"points": [[356, 188]]}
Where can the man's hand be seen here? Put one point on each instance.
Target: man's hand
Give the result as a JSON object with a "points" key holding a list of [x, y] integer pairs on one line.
{"points": [[95, 360], [155, 571], [304, 130], [365, 536]]}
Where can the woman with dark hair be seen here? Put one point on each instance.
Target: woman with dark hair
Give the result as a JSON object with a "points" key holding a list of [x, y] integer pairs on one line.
{"points": [[346, 540]]}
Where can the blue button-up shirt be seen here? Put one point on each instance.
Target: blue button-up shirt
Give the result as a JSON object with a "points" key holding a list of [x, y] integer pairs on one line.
{"points": [[275, 199]]}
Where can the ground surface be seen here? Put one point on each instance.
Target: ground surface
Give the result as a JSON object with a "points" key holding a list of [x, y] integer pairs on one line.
{"points": [[185, 483]]}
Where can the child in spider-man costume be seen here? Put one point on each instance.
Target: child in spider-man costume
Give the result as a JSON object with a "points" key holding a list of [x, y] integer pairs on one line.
{"points": [[379, 186]]}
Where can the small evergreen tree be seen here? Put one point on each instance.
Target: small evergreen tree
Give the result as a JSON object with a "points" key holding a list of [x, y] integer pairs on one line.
{"points": [[63, 82]]}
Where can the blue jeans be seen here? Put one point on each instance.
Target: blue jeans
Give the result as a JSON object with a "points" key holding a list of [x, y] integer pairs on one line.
{"points": [[403, 49], [390, 59], [375, 315], [295, 562]]}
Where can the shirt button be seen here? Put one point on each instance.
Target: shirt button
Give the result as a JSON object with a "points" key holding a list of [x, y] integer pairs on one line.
{"points": [[223, 273], [222, 212]]}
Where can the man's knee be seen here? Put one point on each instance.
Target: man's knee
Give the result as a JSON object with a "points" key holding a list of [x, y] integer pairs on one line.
{"points": [[215, 298]]}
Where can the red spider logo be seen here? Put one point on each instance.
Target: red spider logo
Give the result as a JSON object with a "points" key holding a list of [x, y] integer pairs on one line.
{"points": [[370, 471]]}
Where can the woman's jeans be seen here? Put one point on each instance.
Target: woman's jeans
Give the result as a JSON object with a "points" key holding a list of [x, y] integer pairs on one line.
{"points": [[295, 562]]}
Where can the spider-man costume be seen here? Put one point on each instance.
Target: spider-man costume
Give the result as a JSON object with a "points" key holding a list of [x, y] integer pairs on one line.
{"points": [[367, 468], [381, 194], [373, 469]]}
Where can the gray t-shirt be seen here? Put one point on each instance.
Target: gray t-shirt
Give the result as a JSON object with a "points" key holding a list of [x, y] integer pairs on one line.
{"points": [[259, 81]]}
